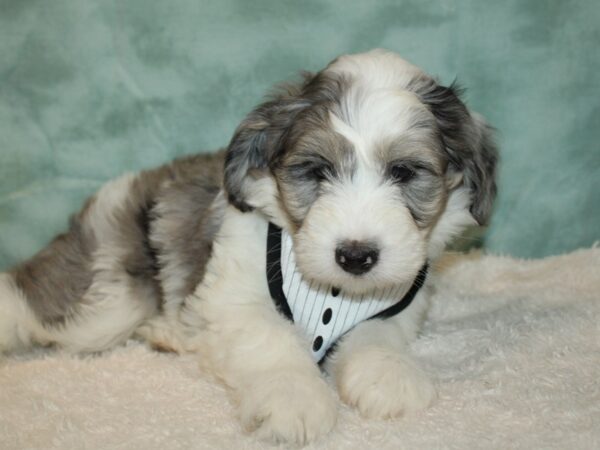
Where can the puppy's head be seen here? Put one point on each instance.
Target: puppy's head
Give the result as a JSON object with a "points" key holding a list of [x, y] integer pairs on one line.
{"points": [[370, 165]]}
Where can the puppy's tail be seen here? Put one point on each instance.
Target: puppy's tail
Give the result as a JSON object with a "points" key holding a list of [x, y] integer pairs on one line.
{"points": [[14, 314]]}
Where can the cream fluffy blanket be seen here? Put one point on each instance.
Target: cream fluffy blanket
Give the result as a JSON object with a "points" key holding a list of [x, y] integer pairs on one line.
{"points": [[514, 346]]}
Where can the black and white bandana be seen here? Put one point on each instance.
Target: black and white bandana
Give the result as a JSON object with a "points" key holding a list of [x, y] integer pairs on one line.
{"points": [[325, 313]]}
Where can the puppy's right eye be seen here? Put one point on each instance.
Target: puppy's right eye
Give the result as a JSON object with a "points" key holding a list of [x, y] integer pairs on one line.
{"points": [[311, 171], [320, 173]]}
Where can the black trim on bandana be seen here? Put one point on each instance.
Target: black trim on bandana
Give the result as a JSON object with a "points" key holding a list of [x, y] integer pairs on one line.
{"points": [[275, 281], [408, 297], [274, 276]]}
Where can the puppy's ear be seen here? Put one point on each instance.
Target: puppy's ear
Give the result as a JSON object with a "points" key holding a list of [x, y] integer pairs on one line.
{"points": [[257, 140], [469, 143]]}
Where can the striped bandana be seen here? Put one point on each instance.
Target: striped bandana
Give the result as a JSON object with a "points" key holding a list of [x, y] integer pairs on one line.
{"points": [[325, 313]]}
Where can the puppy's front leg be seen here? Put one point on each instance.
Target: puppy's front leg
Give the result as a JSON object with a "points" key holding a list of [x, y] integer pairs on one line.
{"points": [[248, 344], [279, 388], [375, 373]]}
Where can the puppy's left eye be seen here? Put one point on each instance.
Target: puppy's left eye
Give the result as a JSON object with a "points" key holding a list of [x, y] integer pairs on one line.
{"points": [[402, 173]]}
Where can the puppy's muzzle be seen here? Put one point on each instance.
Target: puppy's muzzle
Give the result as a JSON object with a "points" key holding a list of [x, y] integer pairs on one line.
{"points": [[356, 257]]}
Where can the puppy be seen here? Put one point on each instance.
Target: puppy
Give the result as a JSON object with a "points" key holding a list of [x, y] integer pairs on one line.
{"points": [[301, 249]]}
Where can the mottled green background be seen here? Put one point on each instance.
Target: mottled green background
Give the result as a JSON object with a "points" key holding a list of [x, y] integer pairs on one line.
{"points": [[90, 89]]}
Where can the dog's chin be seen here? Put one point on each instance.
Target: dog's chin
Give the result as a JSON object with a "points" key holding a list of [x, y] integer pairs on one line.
{"points": [[356, 284]]}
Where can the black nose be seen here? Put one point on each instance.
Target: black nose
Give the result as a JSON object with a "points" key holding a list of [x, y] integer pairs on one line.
{"points": [[356, 257]]}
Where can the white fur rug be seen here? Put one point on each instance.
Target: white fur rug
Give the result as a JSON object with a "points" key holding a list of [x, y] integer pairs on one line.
{"points": [[514, 346]]}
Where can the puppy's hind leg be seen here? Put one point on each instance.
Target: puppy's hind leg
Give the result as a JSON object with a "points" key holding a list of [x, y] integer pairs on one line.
{"points": [[108, 313], [93, 285]]}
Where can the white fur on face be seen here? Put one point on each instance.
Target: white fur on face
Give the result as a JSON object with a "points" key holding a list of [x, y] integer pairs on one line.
{"points": [[374, 115], [365, 210], [366, 206], [363, 207]]}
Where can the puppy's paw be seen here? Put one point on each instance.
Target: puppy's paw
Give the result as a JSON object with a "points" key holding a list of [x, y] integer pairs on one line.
{"points": [[382, 384], [288, 407]]}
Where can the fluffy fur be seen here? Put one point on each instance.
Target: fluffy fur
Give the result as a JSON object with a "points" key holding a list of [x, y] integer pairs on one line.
{"points": [[369, 153], [512, 345]]}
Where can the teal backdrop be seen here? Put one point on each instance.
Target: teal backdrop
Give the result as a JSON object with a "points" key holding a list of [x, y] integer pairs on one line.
{"points": [[91, 89]]}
